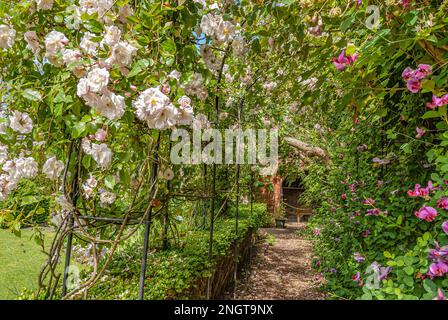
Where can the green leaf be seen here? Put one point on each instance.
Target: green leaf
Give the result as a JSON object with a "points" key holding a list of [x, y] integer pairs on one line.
{"points": [[109, 181], [168, 47], [409, 270], [32, 95], [78, 129], [29, 200], [409, 281], [138, 67], [428, 85], [431, 114], [347, 23]]}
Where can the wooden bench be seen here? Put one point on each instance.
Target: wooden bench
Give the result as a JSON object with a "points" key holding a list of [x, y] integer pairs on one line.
{"points": [[303, 214]]}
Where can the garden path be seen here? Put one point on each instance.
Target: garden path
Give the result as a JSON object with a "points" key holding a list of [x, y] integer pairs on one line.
{"points": [[281, 268]]}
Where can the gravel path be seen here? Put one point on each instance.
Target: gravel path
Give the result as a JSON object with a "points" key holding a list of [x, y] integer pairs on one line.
{"points": [[282, 270]]}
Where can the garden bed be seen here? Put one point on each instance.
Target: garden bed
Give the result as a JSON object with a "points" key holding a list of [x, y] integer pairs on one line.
{"points": [[182, 272]]}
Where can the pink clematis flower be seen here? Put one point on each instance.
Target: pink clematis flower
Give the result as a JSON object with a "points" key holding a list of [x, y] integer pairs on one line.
{"points": [[366, 233], [438, 269], [435, 102], [407, 74], [438, 254], [414, 85], [413, 77], [357, 278], [373, 212], [343, 61], [358, 257], [442, 203], [369, 201], [445, 227], [420, 132], [440, 295], [101, 135], [421, 192], [426, 213], [423, 70]]}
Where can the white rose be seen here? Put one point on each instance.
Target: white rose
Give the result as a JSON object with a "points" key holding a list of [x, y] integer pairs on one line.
{"points": [[44, 4], [163, 117], [111, 106], [112, 36], [7, 36], [122, 54], [3, 154], [107, 198], [53, 168], [184, 101], [54, 42], [209, 24], [101, 154], [71, 56], [225, 31], [185, 115], [32, 41], [89, 46], [27, 167], [97, 79], [21, 122]]}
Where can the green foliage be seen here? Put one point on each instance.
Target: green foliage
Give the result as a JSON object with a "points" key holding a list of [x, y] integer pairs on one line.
{"points": [[173, 273]]}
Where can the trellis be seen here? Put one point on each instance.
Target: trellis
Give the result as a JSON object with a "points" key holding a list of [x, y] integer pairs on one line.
{"points": [[148, 215]]}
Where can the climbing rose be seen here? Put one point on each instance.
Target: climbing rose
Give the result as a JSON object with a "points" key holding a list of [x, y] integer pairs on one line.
{"points": [[97, 79], [44, 4], [100, 135], [21, 122], [185, 115], [343, 196], [32, 41], [426, 213], [107, 198], [7, 36], [101, 154], [110, 105], [122, 54], [53, 168], [26, 167], [54, 42]]}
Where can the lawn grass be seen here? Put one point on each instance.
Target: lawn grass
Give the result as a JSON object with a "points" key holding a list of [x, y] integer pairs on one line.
{"points": [[20, 261]]}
